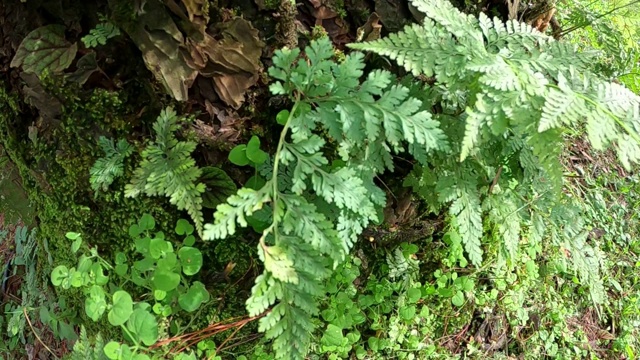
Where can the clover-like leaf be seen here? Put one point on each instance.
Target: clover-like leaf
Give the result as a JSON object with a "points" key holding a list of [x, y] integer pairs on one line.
{"points": [[122, 308], [95, 305], [238, 155], [45, 48], [165, 280], [58, 274], [112, 350], [194, 297], [191, 260], [144, 326], [184, 227], [146, 222], [253, 151], [159, 247]]}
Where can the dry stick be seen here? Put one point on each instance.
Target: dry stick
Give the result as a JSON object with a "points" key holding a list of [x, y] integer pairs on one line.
{"points": [[230, 337], [24, 311]]}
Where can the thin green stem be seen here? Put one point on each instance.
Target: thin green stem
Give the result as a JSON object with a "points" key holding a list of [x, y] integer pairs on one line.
{"points": [[276, 165]]}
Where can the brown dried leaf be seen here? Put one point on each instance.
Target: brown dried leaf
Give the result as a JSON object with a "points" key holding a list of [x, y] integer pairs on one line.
{"points": [[198, 11], [161, 44], [45, 48], [86, 66], [233, 62]]}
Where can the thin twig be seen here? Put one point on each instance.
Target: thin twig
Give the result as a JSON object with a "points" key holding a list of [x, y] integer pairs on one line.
{"points": [[24, 311]]}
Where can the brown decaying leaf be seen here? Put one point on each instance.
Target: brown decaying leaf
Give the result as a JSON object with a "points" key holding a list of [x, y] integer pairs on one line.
{"points": [[233, 63], [161, 42], [45, 48]]}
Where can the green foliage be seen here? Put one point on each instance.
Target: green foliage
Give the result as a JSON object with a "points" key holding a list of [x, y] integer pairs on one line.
{"points": [[168, 169], [85, 349], [518, 92], [162, 273], [301, 245], [100, 34], [108, 168]]}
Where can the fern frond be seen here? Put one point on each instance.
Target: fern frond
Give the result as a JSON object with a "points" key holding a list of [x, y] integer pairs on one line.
{"points": [[106, 169], [303, 244], [167, 169], [100, 34], [467, 220]]}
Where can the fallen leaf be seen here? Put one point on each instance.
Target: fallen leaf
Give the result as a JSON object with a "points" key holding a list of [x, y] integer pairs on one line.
{"points": [[45, 48], [161, 44], [86, 66], [233, 62], [49, 107], [371, 29]]}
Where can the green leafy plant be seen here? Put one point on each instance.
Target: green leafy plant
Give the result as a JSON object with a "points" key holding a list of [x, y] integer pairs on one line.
{"points": [[106, 169], [100, 34], [168, 169], [508, 96], [301, 245], [162, 272]]}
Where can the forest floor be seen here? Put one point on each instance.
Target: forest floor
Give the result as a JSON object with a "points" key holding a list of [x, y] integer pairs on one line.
{"points": [[50, 128]]}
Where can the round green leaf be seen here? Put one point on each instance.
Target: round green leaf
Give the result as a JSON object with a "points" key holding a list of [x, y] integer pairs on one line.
{"points": [[332, 336], [238, 155], [165, 280], [282, 117], [121, 269], [58, 274], [135, 231], [192, 299], [76, 278], [191, 260], [169, 262], [458, 299], [159, 295], [122, 308], [189, 240], [95, 305], [413, 295], [184, 227], [158, 247], [146, 222], [143, 326], [84, 264], [121, 258], [112, 350], [408, 312], [254, 153]]}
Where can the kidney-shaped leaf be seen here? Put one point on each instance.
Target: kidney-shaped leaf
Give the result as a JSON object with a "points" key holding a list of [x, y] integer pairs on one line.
{"points": [[165, 280], [191, 260], [143, 326], [45, 48], [122, 308], [192, 299]]}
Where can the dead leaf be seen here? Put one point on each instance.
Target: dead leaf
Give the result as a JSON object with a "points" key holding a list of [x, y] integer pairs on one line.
{"points": [[49, 107], [161, 44], [233, 62], [371, 29], [45, 48], [86, 66]]}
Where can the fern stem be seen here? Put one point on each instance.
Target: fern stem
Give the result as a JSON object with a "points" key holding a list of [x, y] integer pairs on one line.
{"points": [[276, 164]]}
